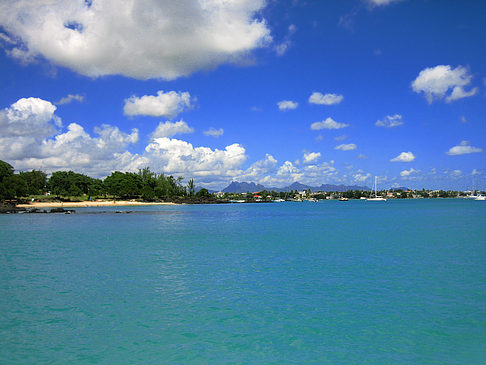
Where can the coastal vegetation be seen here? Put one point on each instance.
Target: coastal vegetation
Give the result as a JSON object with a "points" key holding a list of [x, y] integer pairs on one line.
{"points": [[145, 185], [148, 186]]}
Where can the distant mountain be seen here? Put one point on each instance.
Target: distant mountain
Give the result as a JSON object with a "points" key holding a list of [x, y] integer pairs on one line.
{"points": [[243, 187], [297, 186]]}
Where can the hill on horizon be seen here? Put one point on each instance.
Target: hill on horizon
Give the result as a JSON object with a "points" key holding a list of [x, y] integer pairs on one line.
{"points": [[244, 187]]}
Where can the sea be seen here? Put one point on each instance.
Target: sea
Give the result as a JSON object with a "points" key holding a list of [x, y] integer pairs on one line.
{"points": [[356, 282]]}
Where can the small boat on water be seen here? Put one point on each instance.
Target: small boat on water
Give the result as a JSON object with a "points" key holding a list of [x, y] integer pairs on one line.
{"points": [[374, 197], [343, 199], [480, 197]]}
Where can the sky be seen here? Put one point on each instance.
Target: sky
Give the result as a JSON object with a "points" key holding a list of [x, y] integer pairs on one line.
{"points": [[272, 92]]}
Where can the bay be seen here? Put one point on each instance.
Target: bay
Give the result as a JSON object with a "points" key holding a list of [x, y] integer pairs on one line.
{"points": [[396, 282]]}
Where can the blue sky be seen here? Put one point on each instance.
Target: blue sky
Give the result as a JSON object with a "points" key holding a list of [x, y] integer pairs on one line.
{"points": [[266, 91]]}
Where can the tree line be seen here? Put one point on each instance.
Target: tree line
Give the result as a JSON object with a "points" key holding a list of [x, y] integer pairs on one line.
{"points": [[150, 186], [146, 185]]}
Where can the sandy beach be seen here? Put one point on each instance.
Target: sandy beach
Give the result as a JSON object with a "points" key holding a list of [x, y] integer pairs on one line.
{"points": [[94, 203]]}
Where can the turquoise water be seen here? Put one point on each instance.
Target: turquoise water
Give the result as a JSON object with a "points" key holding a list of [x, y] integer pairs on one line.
{"points": [[401, 282]]}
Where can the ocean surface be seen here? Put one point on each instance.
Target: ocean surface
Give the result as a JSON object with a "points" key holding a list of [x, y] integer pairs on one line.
{"points": [[399, 282]]}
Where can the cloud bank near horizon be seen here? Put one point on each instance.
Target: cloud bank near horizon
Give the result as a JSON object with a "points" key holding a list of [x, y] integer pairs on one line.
{"points": [[33, 137]]}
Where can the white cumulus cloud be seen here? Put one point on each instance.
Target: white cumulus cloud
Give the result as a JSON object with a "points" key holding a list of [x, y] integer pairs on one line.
{"points": [[288, 173], [177, 157], [164, 104], [327, 99], [463, 148], [329, 123], [77, 150], [390, 121], [287, 105], [147, 39], [361, 177], [408, 173], [261, 170], [444, 82], [269, 173], [311, 157], [170, 129], [30, 138], [213, 132], [453, 174], [69, 98], [346, 147], [381, 2], [283, 47], [404, 157], [31, 117]]}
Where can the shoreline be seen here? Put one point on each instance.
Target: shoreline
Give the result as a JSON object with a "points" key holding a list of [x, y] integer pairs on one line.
{"points": [[101, 203]]}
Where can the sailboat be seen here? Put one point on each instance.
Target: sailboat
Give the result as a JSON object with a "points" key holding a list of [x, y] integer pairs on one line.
{"points": [[474, 193], [374, 197]]}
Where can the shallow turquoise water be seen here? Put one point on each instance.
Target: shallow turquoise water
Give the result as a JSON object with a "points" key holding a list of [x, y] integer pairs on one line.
{"points": [[401, 282]]}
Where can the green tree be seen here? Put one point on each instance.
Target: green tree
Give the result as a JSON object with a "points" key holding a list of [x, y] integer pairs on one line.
{"points": [[69, 183], [74, 190], [148, 193], [191, 187], [6, 170], [179, 189], [123, 185], [96, 188], [14, 186], [203, 193], [36, 181], [147, 177], [148, 183], [162, 187]]}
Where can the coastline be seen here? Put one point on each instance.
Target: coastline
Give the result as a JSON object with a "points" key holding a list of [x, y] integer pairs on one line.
{"points": [[100, 203]]}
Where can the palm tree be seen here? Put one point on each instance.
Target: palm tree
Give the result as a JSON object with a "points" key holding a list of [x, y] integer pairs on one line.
{"points": [[190, 187]]}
